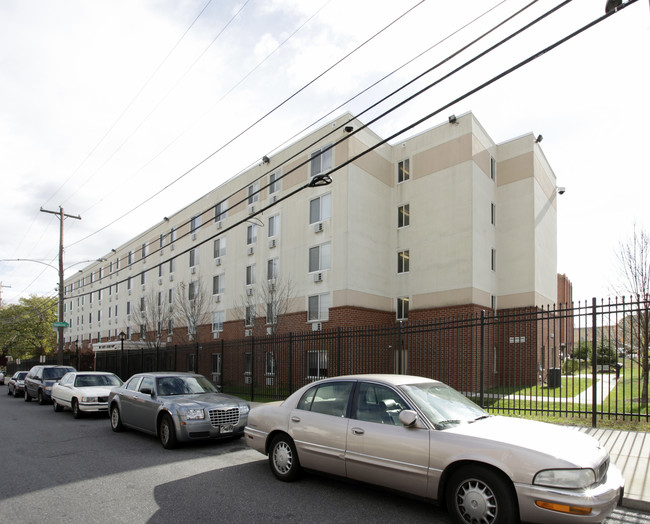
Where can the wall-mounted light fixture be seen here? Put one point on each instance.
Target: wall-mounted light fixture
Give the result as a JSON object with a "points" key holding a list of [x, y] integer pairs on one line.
{"points": [[348, 129], [539, 139], [453, 119], [265, 159]]}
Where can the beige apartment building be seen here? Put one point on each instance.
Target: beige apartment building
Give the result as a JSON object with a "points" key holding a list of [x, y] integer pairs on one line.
{"points": [[445, 221]]}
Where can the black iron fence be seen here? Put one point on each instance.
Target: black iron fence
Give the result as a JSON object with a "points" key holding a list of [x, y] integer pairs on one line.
{"points": [[587, 360]]}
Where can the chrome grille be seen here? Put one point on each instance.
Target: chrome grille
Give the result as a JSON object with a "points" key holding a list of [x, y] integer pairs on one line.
{"points": [[602, 471], [219, 417]]}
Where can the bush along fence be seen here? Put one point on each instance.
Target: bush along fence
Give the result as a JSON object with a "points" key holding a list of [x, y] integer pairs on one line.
{"points": [[585, 360]]}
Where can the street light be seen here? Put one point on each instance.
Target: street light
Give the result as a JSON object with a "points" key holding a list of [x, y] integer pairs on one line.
{"points": [[122, 336]]}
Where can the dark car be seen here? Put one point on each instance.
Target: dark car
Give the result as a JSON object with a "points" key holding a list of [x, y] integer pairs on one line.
{"points": [[16, 384], [176, 407], [40, 379]]}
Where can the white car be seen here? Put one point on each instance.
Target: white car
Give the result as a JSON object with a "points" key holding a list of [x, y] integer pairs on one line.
{"points": [[84, 391], [420, 436]]}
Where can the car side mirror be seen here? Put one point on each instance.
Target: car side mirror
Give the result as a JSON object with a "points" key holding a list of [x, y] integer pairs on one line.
{"points": [[147, 391], [408, 417]]}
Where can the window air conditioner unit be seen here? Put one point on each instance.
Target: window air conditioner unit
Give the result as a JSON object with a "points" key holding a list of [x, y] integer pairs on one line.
{"points": [[217, 298], [128, 318], [272, 244], [317, 326], [318, 228], [171, 277], [193, 269], [318, 277], [160, 281], [251, 250], [269, 330], [217, 261], [251, 210], [269, 381], [169, 339], [193, 236], [248, 380], [219, 224], [274, 199], [162, 252], [215, 334], [171, 248], [249, 291], [248, 332], [129, 292]]}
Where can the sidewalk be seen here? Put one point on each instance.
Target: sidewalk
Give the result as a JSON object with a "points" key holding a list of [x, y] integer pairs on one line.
{"points": [[630, 451]]}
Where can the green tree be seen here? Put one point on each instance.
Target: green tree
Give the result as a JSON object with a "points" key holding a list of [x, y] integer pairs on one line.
{"points": [[26, 328]]}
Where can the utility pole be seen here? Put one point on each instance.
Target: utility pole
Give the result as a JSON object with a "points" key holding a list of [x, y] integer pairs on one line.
{"points": [[1, 286], [62, 216]]}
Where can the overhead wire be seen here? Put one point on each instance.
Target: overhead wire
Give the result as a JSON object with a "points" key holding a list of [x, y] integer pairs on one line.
{"points": [[403, 130]]}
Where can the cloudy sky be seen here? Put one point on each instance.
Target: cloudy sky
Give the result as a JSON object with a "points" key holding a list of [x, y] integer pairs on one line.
{"points": [[124, 111]]}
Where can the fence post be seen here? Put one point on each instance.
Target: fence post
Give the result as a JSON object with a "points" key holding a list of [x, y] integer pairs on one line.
{"points": [[196, 360], [290, 362], [252, 369], [399, 347], [594, 386], [338, 350], [482, 365]]}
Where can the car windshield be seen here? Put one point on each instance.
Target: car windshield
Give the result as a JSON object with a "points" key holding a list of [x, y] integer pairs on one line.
{"points": [[55, 373], [82, 381], [189, 385], [444, 406]]}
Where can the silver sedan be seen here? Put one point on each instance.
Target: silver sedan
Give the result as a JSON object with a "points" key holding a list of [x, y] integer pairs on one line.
{"points": [[422, 437], [176, 407]]}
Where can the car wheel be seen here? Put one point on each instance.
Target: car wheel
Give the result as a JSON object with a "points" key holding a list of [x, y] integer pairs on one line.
{"points": [[167, 432], [283, 458], [76, 412], [116, 419], [8, 390], [57, 406], [28, 397], [479, 494], [41, 398]]}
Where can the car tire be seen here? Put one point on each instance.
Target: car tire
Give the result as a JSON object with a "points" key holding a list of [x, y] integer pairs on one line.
{"points": [[116, 419], [28, 397], [57, 407], [167, 432], [480, 494], [41, 398], [76, 411], [283, 459], [8, 391]]}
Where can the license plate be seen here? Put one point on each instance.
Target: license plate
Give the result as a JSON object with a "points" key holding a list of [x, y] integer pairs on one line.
{"points": [[227, 428]]}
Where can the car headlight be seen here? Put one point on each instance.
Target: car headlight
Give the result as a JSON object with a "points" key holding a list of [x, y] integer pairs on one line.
{"points": [[565, 478], [244, 409], [191, 414], [89, 399]]}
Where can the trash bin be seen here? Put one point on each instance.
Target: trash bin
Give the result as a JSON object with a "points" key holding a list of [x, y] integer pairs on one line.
{"points": [[554, 378]]}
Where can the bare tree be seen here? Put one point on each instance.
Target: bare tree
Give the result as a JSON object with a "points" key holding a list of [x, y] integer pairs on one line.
{"points": [[153, 314], [634, 279], [191, 306]]}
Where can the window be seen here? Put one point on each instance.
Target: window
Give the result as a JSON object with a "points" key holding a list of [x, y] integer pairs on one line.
{"points": [[269, 361], [218, 284], [161, 241], [275, 182], [143, 305], [272, 266], [271, 313], [403, 216], [130, 259], [493, 213], [170, 298], [378, 404], [321, 160], [402, 308], [248, 363], [99, 315], [115, 309], [143, 278], [172, 265], [274, 225], [161, 271], [493, 259], [403, 170], [128, 308], [128, 283], [194, 257], [170, 326], [143, 331], [221, 211], [216, 363], [193, 290], [317, 368], [403, 261], [144, 251], [250, 315], [318, 307], [320, 208], [493, 168], [217, 320], [319, 257], [253, 193], [219, 247], [172, 235], [195, 223], [251, 234], [160, 299], [250, 275], [100, 294]]}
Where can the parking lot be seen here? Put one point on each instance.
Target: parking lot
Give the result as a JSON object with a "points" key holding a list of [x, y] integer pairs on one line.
{"points": [[61, 469]]}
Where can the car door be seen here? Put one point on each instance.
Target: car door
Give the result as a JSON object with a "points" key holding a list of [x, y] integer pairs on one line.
{"points": [[319, 426], [380, 449], [62, 391], [144, 406]]}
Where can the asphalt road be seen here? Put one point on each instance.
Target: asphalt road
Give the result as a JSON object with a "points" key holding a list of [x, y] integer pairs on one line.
{"points": [[58, 469]]}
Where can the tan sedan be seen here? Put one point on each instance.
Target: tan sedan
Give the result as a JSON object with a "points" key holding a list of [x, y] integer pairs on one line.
{"points": [[422, 437]]}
